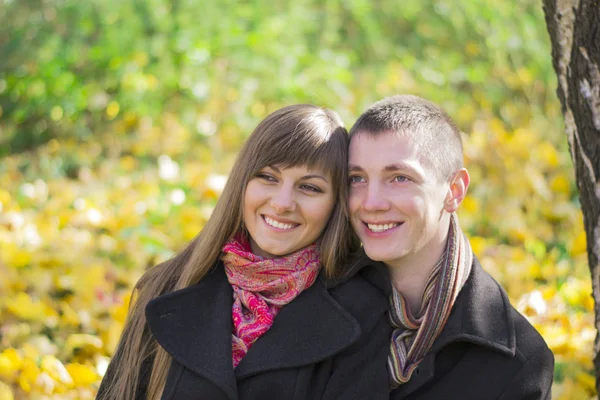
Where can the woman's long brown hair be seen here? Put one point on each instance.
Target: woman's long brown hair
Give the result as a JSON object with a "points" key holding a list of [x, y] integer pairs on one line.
{"points": [[298, 135]]}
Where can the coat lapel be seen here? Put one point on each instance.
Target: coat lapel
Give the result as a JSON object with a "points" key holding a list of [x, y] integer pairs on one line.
{"points": [[480, 315], [194, 326], [309, 329]]}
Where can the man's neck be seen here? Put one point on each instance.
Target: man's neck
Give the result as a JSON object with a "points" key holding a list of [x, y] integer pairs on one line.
{"points": [[409, 274]]}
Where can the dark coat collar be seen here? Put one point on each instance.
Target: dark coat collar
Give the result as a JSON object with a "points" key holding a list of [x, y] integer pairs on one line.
{"points": [[194, 326], [374, 272], [481, 315]]}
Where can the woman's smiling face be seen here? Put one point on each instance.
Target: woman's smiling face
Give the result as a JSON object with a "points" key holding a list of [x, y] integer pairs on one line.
{"points": [[287, 209]]}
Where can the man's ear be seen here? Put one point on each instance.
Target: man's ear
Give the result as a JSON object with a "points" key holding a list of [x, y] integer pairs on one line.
{"points": [[458, 190]]}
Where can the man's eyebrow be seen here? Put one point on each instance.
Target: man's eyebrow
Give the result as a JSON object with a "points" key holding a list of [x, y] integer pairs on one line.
{"points": [[396, 167], [390, 167], [404, 166]]}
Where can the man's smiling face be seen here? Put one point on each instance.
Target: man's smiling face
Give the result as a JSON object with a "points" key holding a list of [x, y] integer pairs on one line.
{"points": [[396, 200]]}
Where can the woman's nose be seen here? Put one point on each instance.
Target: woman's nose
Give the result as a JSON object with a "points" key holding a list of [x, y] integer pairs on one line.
{"points": [[283, 200]]}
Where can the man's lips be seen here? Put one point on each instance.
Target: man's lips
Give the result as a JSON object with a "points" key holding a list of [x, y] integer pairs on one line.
{"points": [[381, 226]]}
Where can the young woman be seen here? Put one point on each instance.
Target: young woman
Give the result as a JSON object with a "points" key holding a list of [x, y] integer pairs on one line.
{"points": [[248, 309]]}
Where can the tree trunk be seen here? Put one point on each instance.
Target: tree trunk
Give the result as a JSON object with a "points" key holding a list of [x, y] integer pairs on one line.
{"points": [[574, 28]]}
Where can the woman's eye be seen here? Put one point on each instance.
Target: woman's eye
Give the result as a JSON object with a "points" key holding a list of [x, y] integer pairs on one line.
{"points": [[355, 179], [266, 177], [311, 188]]}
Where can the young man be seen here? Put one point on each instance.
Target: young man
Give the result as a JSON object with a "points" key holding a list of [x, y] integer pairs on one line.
{"points": [[455, 334]]}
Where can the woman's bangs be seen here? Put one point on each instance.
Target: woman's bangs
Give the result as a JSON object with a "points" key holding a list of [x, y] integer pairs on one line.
{"points": [[310, 151]]}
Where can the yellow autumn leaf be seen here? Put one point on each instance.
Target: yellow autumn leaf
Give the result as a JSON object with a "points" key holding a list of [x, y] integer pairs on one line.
{"points": [[570, 390], [524, 75], [478, 244], [588, 303], [24, 307], [15, 257], [69, 316], [4, 199], [112, 110], [471, 205], [10, 363], [547, 154], [111, 337], [5, 392], [575, 291], [128, 163], [55, 369], [588, 381], [30, 352], [81, 342], [578, 245], [88, 281], [120, 311], [497, 126], [28, 375], [556, 338], [560, 184], [82, 375]]}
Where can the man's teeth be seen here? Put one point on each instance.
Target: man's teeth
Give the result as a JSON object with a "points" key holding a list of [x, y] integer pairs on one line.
{"points": [[279, 225], [381, 228]]}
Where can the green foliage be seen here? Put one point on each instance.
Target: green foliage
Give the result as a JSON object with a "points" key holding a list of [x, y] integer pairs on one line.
{"points": [[70, 69]]}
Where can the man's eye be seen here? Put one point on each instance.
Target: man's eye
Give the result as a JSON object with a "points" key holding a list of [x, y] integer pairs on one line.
{"points": [[355, 179], [401, 178]]}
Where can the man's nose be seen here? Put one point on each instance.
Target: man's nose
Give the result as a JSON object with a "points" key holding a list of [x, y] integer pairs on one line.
{"points": [[375, 199]]}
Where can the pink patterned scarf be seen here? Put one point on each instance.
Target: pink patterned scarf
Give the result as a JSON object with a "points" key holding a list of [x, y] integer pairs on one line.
{"points": [[261, 286]]}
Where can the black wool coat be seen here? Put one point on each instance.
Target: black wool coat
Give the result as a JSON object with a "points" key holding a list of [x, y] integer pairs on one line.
{"points": [[327, 343], [486, 350]]}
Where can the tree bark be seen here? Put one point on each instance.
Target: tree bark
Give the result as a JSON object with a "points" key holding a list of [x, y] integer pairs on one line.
{"points": [[574, 28]]}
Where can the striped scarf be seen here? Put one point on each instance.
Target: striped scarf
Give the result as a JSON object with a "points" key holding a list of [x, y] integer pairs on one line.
{"points": [[413, 336], [261, 286]]}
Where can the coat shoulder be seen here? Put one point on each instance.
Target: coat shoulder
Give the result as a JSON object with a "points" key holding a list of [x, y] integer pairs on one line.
{"points": [[361, 298], [533, 372], [529, 342]]}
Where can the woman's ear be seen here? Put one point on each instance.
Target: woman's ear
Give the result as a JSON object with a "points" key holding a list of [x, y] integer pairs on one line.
{"points": [[458, 190]]}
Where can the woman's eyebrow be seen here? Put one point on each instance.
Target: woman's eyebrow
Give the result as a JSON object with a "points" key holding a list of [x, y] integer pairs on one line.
{"points": [[315, 176]]}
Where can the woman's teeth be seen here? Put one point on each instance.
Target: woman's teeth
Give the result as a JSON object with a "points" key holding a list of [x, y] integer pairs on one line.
{"points": [[381, 228], [276, 224]]}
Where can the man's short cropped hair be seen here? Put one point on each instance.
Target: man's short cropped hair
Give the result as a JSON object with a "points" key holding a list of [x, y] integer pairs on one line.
{"points": [[437, 138]]}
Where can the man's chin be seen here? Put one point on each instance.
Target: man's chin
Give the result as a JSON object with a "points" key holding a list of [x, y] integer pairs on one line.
{"points": [[376, 255]]}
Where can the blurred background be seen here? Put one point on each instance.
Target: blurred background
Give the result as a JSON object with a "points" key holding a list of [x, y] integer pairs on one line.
{"points": [[119, 121]]}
